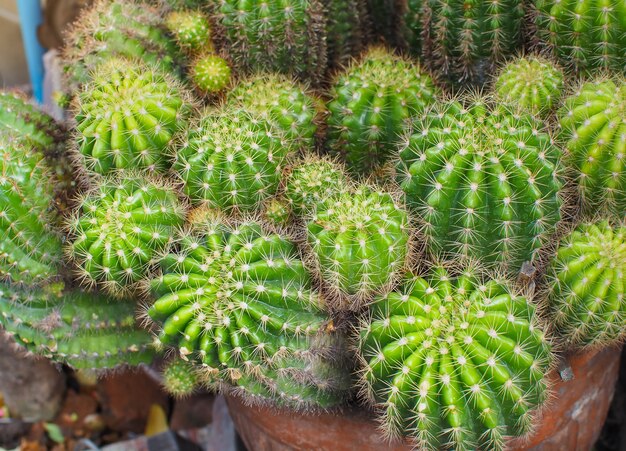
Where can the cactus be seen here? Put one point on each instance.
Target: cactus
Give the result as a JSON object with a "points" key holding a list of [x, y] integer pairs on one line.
{"points": [[239, 302], [454, 362], [483, 181], [532, 84], [593, 130], [210, 74], [584, 34], [585, 285], [180, 378], [346, 25], [127, 117], [359, 242], [191, 29], [277, 212], [231, 161], [20, 118], [372, 102], [410, 25], [83, 330], [122, 227]]}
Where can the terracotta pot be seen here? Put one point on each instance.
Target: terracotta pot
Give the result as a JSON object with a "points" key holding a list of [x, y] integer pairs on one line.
{"points": [[572, 421]]}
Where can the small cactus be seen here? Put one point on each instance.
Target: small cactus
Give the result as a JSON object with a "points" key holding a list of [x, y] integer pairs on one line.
{"points": [[210, 74], [180, 377], [454, 362], [191, 30]]}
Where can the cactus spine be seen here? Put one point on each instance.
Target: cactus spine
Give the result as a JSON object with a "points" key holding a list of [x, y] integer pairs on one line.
{"points": [[20, 118]]}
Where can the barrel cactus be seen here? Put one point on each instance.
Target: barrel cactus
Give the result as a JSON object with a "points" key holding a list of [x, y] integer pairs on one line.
{"points": [[484, 182], [454, 361], [191, 30], [180, 377], [210, 74]]}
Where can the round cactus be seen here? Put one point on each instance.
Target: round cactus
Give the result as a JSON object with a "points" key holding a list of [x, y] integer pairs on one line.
{"points": [[239, 302], [586, 285], [180, 378], [360, 243], [584, 34], [127, 116], [122, 227], [20, 118], [455, 362], [210, 74], [531, 84], [593, 129], [191, 29], [483, 182], [231, 161], [372, 103]]}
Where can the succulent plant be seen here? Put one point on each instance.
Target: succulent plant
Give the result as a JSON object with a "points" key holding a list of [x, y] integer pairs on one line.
{"points": [[122, 228], [20, 118], [277, 212], [191, 29], [584, 34], [231, 161], [180, 378], [532, 84], [455, 362], [593, 130], [239, 302], [410, 25], [127, 117], [83, 330], [372, 103], [346, 26], [210, 74], [484, 182], [359, 242]]}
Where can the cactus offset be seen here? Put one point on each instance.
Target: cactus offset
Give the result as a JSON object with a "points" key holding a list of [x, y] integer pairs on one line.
{"points": [[210, 74], [180, 377], [191, 29], [454, 362]]}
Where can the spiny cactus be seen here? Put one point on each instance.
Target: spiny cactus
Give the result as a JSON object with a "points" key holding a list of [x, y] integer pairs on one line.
{"points": [[123, 225], [359, 242], [454, 362], [239, 302], [191, 29], [346, 26], [593, 130], [586, 285], [127, 117], [210, 74], [231, 161], [277, 212], [531, 84], [410, 24], [20, 118], [372, 103], [483, 181], [83, 330], [180, 377], [584, 34]]}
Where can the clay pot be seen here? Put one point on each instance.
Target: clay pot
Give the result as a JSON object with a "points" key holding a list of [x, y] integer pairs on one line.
{"points": [[572, 421]]}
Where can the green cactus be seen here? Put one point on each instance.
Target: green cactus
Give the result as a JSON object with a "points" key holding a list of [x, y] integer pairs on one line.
{"points": [[239, 302], [483, 181], [210, 74], [180, 377], [231, 161], [455, 362], [584, 34], [121, 229], [531, 84], [372, 103], [346, 25], [593, 130], [20, 118], [586, 285], [191, 29], [410, 25], [127, 117], [360, 243], [83, 330], [277, 212]]}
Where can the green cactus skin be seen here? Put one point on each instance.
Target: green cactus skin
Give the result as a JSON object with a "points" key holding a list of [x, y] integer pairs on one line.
{"points": [[484, 182], [277, 212], [83, 330], [593, 130], [372, 102], [121, 229], [584, 34], [231, 161], [20, 118], [210, 74], [346, 23], [312, 182], [191, 30], [531, 84], [127, 117], [586, 285], [180, 378], [239, 302], [455, 362], [283, 102], [360, 243], [462, 41], [30, 251]]}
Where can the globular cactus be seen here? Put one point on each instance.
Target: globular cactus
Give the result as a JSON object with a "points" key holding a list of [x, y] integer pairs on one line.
{"points": [[240, 303], [123, 226], [454, 362], [20, 118], [191, 30], [585, 285], [532, 84], [231, 161], [372, 104], [484, 182], [593, 130], [180, 377], [360, 244], [584, 34], [83, 330], [127, 116], [210, 74]]}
